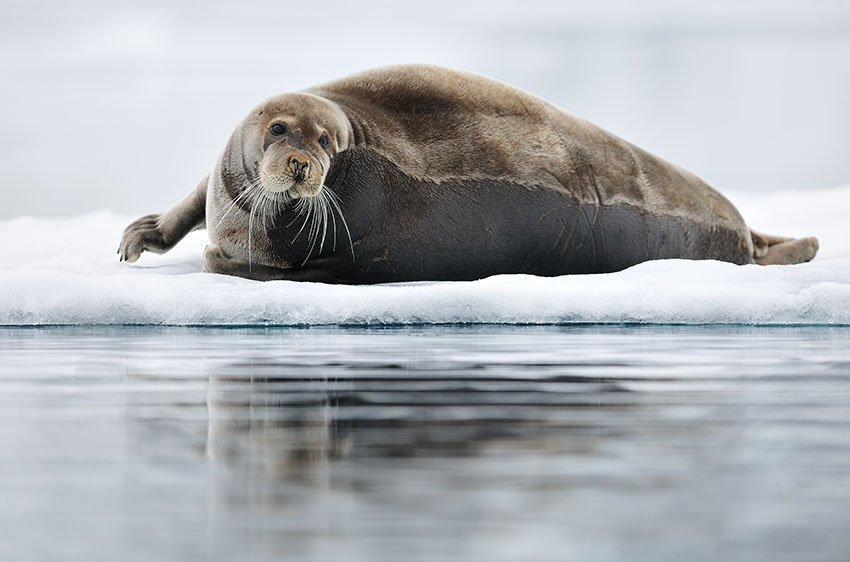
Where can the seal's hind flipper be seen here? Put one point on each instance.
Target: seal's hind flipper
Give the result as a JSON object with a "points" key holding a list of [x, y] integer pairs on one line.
{"points": [[785, 252], [761, 242]]}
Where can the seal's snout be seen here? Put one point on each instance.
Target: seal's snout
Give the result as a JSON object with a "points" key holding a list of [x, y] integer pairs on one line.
{"points": [[299, 169]]}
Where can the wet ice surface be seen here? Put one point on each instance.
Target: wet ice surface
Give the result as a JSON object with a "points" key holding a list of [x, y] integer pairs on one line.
{"points": [[425, 443]]}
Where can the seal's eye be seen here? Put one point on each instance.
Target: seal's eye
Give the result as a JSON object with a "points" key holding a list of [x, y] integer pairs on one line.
{"points": [[278, 129], [323, 140]]}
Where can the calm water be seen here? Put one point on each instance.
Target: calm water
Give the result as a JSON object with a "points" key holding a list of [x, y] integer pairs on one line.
{"points": [[433, 443]]}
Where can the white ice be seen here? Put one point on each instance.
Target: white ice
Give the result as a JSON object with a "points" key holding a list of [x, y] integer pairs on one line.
{"points": [[65, 271]]}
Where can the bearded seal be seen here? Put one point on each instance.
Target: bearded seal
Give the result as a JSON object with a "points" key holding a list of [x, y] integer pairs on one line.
{"points": [[419, 172]]}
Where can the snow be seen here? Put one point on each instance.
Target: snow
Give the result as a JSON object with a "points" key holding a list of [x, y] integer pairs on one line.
{"points": [[66, 271]]}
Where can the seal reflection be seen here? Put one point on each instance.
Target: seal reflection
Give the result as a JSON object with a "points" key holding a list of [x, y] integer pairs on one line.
{"points": [[279, 427], [291, 422]]}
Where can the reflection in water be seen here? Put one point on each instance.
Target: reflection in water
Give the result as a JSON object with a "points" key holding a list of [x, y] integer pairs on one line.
{"points": [[292, 424], [283, 429], [456, 443]]}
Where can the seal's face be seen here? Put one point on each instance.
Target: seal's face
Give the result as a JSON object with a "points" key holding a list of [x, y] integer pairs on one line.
{"points": [[301, 134]]}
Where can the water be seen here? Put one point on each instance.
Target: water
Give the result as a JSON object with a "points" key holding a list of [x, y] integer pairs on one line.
{"points": [[425, 443]]}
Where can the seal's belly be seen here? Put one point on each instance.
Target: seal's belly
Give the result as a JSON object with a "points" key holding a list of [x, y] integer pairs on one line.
{"points": [[406, 229], [488, 229]]}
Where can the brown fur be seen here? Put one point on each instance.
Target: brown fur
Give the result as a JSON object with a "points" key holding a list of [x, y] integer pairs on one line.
{"points": [[442, 124], [438, 126]]}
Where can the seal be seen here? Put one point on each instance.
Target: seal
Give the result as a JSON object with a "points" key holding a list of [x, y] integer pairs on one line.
{"points": [[419, 172]]}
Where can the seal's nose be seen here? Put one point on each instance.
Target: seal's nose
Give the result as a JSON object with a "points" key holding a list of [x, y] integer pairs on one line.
{"points": [[299, 169]]}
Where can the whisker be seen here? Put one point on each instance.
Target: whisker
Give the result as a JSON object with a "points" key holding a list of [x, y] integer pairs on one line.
{"points": [[318, 212], [324, 204], [278, 203], [333, 218], [314, 228], [245, 193], [334, 199], [267, 208], [300, 209], [251, 231]]}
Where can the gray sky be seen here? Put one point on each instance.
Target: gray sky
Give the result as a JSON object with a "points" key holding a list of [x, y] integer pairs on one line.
{"points": [[125, 105]]}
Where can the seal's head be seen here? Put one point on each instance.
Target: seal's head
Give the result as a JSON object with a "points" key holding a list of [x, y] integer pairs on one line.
{"points": [[300, 135]]}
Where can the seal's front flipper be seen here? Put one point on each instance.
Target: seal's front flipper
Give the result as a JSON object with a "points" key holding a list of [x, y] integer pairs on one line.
{"points": [[140, 235], [159, 232], [789, 252]]}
